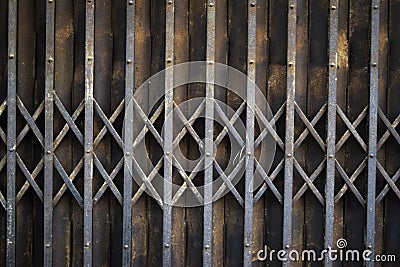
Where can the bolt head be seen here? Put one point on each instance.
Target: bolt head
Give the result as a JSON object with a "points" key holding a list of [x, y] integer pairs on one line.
{"points": [[291, 6], [291, 64], [289, 155], [170, 2], [374, 64], [332, 65], [371, 155], [11, 56], [130, 2], [333, 7], [251, 62], [126, 246], [169, 60], [207, 246], [166, 245], [252, 4], [47, 245], [330, 156], [247, 245], [211, 4], [287, 246], [375, 7]]}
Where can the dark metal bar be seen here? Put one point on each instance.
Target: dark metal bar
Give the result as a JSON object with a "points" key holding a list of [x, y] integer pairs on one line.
{"points": [[289, 135], [373, 118], [128, 138], [209, 136], [11, 129], [48, 138], [88, 132], [168, 135], [331, 128], [251, 74]]}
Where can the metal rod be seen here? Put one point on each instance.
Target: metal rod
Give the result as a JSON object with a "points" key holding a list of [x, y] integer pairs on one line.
{"points": [[168, 133], [331, 137], [289, 135], [48, 138], [128, 138], [250, 98], [11, 129], [88, 139], [373, 117], [209, 136]]}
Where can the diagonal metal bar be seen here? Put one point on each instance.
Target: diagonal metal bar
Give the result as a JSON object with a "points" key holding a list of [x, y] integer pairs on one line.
{"points": [[350, 182], [387, 133], [269, 182], [309, 181], [310, 126], [68, 181], [107, 178], [390, 181], [228, 124], [108, 124], [69, 119], [105, 185], [29, 177], [232, 121], [390, 127], [386, 189], [30, 121], [313, 176], [227, 181], [269, 126], [352, 128]]}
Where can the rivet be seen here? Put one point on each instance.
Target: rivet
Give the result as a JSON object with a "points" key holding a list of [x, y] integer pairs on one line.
{"points": [[208, 154], [248, 153], [129, 61], [169, 60], [90, 58], [247, 245], [12, 149], [289, 155], [291, 6], [48, 152], [11, 56], [47, 245], [369, 246], [252, 4], [127, 153], [87, 245], [375, 7], [167, 153], [50, 60], [333, 7], [87, 150], [166, 245], [210, 62], [130, 2], [126, 246], [251, 62], [290, 64], [331, 156], [170, 2], [332, 65], [371, 155], [95, 199], [374, 64], [211, 4], [287, 246], [207, 246], [50, 1]]}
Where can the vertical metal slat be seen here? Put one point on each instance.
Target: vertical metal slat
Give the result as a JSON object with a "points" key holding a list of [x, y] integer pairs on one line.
{"points": [[168, 135], [128, 130], [88, 145], [11, 129], [209, 136], [48, 142], [331, 128], [250, 97], [373, 114], [289, 135]]}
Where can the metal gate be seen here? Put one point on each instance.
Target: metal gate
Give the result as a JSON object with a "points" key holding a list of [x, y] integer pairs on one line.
{"points": [[329, 70]]}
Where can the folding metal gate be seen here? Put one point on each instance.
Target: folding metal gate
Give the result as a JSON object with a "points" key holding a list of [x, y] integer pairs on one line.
{"points": [[329, 70]]}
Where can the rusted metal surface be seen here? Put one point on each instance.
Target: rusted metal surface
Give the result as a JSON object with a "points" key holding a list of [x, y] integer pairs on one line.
{"points": [[68, 193]]}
